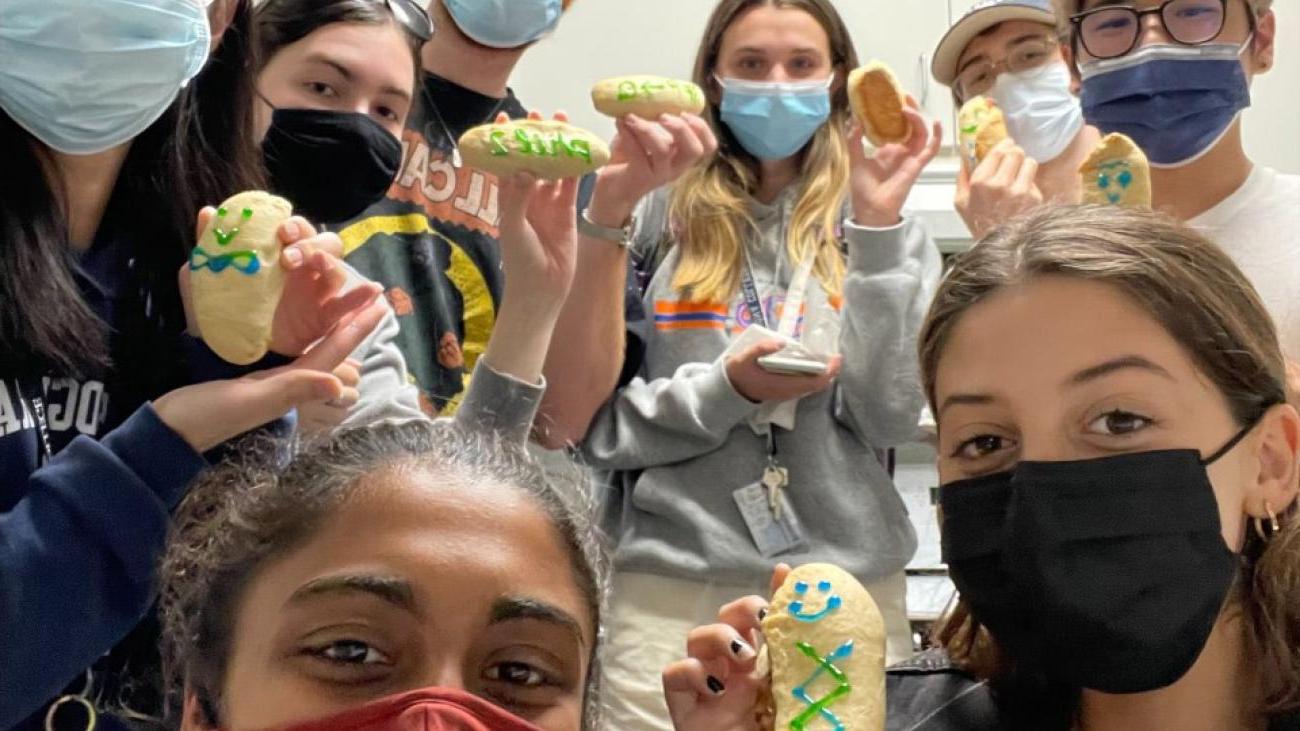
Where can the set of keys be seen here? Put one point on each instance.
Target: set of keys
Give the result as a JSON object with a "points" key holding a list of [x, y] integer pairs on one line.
{"points": [[775, 478]]}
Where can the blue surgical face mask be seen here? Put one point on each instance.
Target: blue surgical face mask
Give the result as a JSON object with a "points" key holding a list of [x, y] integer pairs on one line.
{"points": [[1176, 102], [84, 77], [505, 23], [774, 120]]}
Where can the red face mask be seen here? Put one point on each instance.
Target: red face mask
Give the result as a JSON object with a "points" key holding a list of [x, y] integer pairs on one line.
{"points": [[433, 709]]}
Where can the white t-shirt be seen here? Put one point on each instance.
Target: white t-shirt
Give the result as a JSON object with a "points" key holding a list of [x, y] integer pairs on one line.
{"points": [[1259, 227]]}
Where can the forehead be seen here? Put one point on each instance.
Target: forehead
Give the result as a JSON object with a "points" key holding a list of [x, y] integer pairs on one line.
{"points": [[460, 546], [775, 28], [1040, 333], [993, 41], [374, 48]]}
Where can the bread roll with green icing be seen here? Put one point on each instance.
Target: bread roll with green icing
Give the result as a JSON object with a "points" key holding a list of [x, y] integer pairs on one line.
{"points": [[825, 641], [648, 97], [980, 126], [549, 149], [878, 103], [236, 278], [1117, 173]]}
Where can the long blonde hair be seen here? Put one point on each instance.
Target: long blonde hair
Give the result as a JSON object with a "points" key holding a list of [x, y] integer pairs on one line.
{"points": [[1192, 288], [709, 205]]}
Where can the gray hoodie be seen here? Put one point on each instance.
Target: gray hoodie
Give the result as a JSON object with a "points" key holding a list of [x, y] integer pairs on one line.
{"points": [[678, 437]]}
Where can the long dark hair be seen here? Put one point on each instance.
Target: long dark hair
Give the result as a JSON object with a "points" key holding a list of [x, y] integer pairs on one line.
{"points": [[198, 153], [263, 503]]}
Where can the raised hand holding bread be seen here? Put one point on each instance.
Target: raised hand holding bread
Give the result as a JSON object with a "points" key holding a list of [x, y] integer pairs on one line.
{"points": [[548, 149], [235, 276], [648, 97]]}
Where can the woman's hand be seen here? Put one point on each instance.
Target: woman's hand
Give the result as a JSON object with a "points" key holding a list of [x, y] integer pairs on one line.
{"points": [[755, 383], [882, 182], [538, 238], [313, 302], [717, 687], [208, 414], [322, 416], [1001, 187], [644, 156]]}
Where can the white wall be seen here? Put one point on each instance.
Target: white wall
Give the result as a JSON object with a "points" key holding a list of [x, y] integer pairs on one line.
{"points": [[603, 38]]}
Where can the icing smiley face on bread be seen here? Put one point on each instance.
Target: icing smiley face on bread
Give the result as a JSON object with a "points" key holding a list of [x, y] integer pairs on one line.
{"points": [[825, 641], [1117, 173], [235, 276]]}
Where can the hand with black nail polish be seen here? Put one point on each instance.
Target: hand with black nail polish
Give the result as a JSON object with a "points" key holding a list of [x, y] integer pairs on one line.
{"points": [[718, 686]]}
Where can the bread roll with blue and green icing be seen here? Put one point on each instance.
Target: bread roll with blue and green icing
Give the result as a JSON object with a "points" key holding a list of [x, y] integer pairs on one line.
{"points": [[825, 641], [235, 276]]}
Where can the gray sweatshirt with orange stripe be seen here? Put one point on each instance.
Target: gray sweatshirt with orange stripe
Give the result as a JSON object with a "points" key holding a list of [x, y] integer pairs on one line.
{"points": [[679, 440]]}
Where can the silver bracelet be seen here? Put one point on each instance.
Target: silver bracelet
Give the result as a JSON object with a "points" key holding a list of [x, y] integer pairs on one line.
{"points": [[621, 236]]}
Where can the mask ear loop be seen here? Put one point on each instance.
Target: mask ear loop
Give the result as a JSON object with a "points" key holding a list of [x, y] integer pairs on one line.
{"points": [[1232, 444]]}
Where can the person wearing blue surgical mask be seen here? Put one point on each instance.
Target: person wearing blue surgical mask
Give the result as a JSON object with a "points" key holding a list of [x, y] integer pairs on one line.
{"points": [[119, 121], [710, 451], [1007, 50], [1176, 76]]}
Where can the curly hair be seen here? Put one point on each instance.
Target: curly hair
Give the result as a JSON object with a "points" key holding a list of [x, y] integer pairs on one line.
{"points": [[265, 503]]}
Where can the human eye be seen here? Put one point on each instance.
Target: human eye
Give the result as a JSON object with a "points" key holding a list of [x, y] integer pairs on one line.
{"points": [[321, 89], [981, 447], [517, 674], [350, 652], [1118, 423], [388, 113]]}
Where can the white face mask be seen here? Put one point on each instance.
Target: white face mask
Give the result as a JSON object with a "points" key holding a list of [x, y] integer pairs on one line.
{"points": [[1042, 115]]}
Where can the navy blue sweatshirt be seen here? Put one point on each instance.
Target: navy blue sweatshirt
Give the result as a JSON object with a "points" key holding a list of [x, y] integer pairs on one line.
{"points": [[88, 483]]}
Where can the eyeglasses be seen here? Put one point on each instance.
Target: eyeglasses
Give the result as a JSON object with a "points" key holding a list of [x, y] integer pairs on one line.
{"points": [[1113, 31], [979, 77], [413, 17]]}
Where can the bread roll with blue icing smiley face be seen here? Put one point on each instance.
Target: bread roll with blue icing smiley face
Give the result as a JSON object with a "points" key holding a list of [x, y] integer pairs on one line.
{"points": [[236, 278], [648, 97], [825, 641], [1117, 173], [549, 149]]}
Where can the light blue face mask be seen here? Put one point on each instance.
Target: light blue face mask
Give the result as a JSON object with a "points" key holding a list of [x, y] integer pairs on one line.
{"points": [[774, 120], [84, 77], [505, 23]]}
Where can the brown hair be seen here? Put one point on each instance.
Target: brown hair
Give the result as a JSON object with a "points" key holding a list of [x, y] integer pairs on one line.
{"points": [[710, 201], [264, 504], [1192, 288]]}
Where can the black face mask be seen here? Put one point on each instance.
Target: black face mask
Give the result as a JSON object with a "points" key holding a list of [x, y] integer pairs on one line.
{"points": [[330, 165], [1106, 574]]}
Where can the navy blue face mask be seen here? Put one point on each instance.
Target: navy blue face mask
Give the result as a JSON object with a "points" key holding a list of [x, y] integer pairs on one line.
{"points": [[1176, 102]]}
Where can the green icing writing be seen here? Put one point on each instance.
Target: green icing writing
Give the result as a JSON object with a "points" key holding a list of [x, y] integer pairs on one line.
{"points": [[534, 144], [498, 142], [628, 90]]}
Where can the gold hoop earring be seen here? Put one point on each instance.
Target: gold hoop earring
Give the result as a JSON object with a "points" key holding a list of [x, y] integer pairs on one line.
{"points": [[1273, 526]]}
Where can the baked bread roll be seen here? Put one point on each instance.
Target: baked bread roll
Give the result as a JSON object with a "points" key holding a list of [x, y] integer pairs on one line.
{"points": [[878, 102], [647, 97], [1117, 173], [235, 276], [980, 127], [549, 149], [825, 641]]}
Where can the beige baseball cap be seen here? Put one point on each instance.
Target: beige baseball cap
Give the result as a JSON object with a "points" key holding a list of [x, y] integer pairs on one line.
{"points": [[978, 19]]}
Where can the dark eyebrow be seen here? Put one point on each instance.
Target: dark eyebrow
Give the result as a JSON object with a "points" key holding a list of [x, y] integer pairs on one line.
{"points": [[1086, 6], [1118, 364], [509, 609], [323, 59], [390, 589], [971, 62], [1026, 38], [394, 91], [965, 399]]}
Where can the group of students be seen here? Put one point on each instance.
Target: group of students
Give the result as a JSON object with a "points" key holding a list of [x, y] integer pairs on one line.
{"points": [[298, 544]]}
